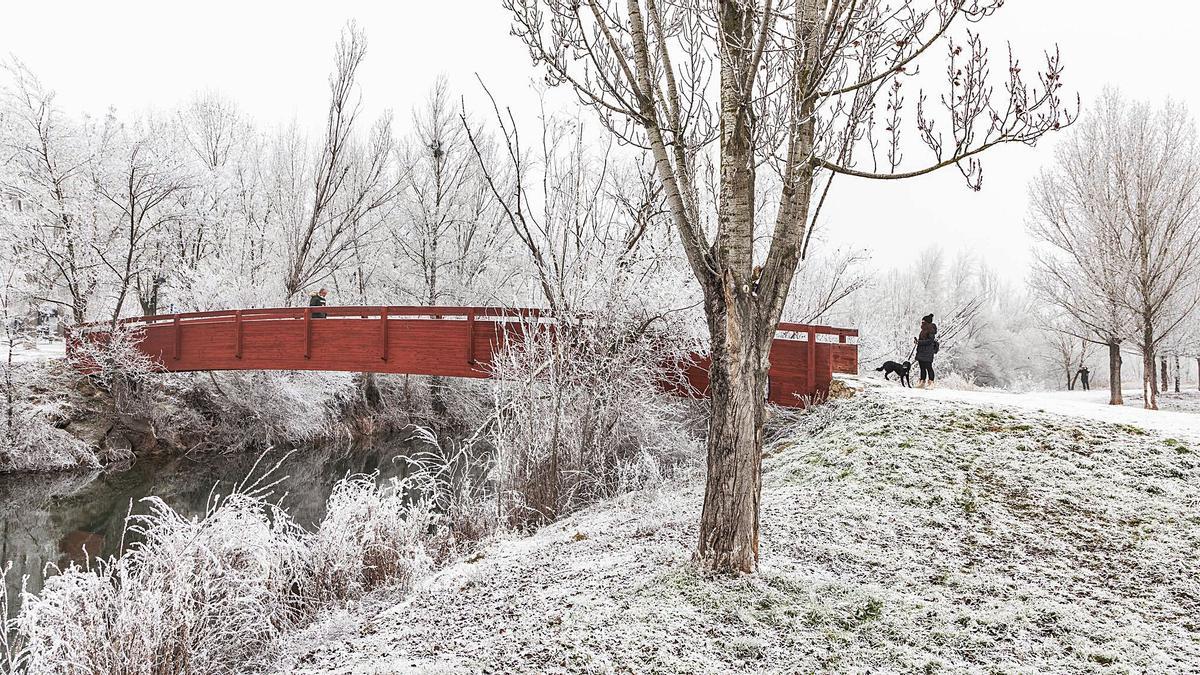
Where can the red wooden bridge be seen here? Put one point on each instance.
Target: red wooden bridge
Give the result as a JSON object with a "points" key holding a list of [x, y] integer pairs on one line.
{"points": [[446, 341]]}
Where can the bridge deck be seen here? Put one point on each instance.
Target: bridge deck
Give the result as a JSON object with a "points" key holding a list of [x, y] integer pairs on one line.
{"points": [[446, 341]]}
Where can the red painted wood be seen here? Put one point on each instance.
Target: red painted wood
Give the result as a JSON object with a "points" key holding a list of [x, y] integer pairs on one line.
{"points": [[308, 333], [811, 379], [383, 334], [471, 336], [432, 341], [238, 350]]}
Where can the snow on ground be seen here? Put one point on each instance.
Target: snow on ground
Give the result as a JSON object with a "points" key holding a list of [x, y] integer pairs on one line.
{"points": [[26, 353], [1174, 418], [899, 535]]}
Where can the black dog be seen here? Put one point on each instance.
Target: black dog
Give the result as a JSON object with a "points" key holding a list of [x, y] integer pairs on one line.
{"points": [[900, 369]]}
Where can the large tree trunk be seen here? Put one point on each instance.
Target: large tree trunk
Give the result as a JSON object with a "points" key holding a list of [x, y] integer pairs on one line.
{"points": [[1114, 374], [729, 522]]}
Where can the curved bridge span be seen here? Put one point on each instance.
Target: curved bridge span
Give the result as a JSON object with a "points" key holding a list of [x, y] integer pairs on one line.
{"points": [[445, 341]]}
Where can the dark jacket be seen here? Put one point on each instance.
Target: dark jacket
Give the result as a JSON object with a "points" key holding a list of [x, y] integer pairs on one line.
{"points": [[315, 300], [927, 344]]}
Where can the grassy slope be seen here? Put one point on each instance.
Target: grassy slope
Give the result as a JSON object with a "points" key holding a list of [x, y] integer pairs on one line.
{"points": [[898, 536]]}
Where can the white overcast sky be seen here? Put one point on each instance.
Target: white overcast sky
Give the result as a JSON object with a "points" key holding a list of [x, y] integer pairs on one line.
{"points": [[273, 59]]}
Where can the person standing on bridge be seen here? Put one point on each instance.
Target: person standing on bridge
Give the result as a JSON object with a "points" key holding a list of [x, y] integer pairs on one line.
{"points": [[318, 300], [927, 347]]}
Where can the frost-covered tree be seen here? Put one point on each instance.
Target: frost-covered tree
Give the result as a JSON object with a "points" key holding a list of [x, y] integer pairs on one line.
{"points": [[142, 179], [583, 215], [1117, 216], [48, 194], [327, 204], [447, 229], [806, 90], [1082, 266]]}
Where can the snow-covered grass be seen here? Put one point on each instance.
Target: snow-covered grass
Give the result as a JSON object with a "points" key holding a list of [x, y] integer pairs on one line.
{"points": [[212, 594], [899, 535]]}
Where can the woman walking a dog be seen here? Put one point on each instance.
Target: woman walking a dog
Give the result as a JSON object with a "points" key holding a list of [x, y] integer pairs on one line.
{"points": [[927, 347]]}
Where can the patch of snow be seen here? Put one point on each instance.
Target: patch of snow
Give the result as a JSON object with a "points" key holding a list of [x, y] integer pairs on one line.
{"points": [[39, 351], [1088, 405]]}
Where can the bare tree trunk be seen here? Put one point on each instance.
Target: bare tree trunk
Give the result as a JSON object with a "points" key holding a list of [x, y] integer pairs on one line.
{"points": [[1166, 382], [1114, 374], [729, 523], [814, 116]]}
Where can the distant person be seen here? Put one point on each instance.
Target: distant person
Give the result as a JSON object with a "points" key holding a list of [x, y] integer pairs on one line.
{"points": [[1083, 378], [318, 300], [927, 347]]}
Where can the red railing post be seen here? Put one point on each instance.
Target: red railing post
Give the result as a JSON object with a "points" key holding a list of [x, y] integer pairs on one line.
{"points": [[178, 336], [383, 333], [307, 332], [471, 335], [237, 317], [812, 360]]}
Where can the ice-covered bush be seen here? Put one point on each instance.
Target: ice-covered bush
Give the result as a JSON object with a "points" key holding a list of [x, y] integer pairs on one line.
{"points": [[29, 437], [580, 416], [256, 409], [210, 594], [370, 537], [958, 381]]}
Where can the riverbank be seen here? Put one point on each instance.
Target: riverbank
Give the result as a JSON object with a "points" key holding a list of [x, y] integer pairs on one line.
{"points": [[49, 520], [64, 420], [899, 534]]}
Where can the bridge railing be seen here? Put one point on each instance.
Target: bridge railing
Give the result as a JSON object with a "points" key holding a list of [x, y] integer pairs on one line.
{"points": [[330, 311], [455, 341]]}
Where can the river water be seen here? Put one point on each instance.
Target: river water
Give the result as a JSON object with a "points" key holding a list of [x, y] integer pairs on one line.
{"points": [[55, 519]]}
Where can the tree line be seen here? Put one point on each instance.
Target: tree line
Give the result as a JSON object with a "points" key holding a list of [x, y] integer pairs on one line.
{"points": [[1117, 220]]}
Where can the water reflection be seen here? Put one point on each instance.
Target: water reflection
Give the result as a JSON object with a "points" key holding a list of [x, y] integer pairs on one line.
{"points": [[69, 517]]}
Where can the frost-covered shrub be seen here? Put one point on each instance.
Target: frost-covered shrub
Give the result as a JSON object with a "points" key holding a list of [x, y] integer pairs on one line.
{"points": [[370, 536], [114, 362], [210, 594], [261, 408], [580, 416], [29, 437], [958, 381]]}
